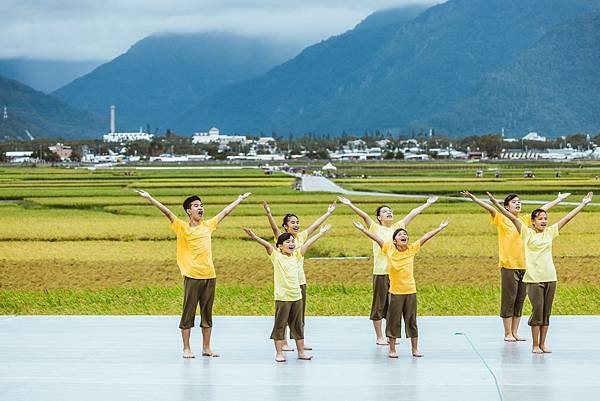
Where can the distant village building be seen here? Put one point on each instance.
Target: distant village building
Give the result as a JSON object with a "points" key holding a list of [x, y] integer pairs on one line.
{"points": [[62, 151], [533, 136], [19, 157], [214, 136], [114, 136]]}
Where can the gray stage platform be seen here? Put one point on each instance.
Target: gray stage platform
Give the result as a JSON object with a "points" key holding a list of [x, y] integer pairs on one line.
{"points": [[138, 358]]}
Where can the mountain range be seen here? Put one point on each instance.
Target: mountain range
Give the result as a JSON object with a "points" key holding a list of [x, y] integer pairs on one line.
{"points": [[462, 67]]}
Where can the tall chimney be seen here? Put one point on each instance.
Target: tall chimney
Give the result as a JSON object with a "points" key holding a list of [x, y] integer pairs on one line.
{"points": [[113, 122]]}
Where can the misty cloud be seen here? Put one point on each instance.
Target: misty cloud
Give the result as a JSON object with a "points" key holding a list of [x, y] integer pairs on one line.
{"points": [[93, 30]]}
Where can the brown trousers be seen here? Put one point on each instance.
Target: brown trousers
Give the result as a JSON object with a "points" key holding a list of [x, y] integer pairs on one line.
{"points": [[197, 291], [288, 313], [541, 296], [381, 286], [513, 292], [402, 306]]}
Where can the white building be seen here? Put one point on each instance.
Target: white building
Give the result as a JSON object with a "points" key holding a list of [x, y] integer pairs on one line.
{"points": [[19, 157], [533, 136], [214, 136], [114, 136]]}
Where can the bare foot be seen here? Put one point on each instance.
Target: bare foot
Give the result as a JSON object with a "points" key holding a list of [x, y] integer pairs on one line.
{"points": [[517, 338], [210, 353], [381, 341], [287, 348], [393, 355], [510, 338], [416, 353], [187, 353], [305, 357], [545, 349], [537, 350], [279, 358]]}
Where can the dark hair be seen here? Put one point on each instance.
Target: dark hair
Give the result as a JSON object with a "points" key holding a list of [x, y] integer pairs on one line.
{"points": [[187, 203], [508, 198], [379, 210], [535, 213], [397, 231], [283, 237], [287, 218]]}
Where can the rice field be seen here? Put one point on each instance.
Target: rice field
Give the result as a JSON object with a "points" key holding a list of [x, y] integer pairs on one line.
{"points": [[82, 242]]}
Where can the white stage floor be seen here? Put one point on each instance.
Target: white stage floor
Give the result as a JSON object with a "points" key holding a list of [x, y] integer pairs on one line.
{"points": [[139, 358]]}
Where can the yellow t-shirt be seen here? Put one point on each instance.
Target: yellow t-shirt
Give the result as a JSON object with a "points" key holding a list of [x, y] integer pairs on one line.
{"points": [[300, 240], [285, 275], [510, 244], [401, 267], [385, 233], [538, 254], [194, 253]]}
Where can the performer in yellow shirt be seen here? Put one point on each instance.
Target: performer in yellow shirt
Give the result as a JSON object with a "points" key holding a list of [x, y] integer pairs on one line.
{"points": [[291, 225], [286, 259], [194, 258], [511, 259], [540, 275], [384, 227], [403, 290]]}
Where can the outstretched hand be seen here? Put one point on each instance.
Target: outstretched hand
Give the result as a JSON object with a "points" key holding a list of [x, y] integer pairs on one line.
{"points": [[432, 199], [467, 194], [444, 224], [244, 196], [588, 198], [494, 200], [249, 232], [358, 225], [331, 207], [563, 196], [266, 207], [325, 228], [141, 193], [344, 201]]}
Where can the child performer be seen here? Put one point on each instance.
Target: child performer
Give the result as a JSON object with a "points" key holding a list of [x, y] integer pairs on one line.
{"points": [[383, 227], [511, 259], [403, 291], [194, 258], [288, 297], [291, 225], [540, 273]]}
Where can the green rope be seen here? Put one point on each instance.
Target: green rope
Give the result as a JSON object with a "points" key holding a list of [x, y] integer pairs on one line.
{"points": [[484, 362]]}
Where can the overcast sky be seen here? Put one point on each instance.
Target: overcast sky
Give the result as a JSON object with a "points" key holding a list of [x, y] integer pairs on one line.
{"points": [[103, 29]]}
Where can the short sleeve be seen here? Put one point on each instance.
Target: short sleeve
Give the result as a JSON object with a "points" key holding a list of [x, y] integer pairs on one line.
{"points": [[386, 247], [496, 219], [211, 224], [553, 230], [177, 225], [525, 232], [526, 219], [303, 236], [298, 254], [416, 246], [399, 224]]}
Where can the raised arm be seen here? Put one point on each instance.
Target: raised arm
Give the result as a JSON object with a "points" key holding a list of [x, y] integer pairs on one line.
{"points": [[369, 234], [229, 208], [309, 242], [268, 247], [587, 199], [321, 219], [344, 201], [415, 212], [272, 223], [491, 210], [165, 210], [561, 197], [505, 212], [427, 236]]}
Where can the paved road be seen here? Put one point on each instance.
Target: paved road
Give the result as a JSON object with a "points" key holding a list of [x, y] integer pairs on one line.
{"points": [[312, 183]]}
